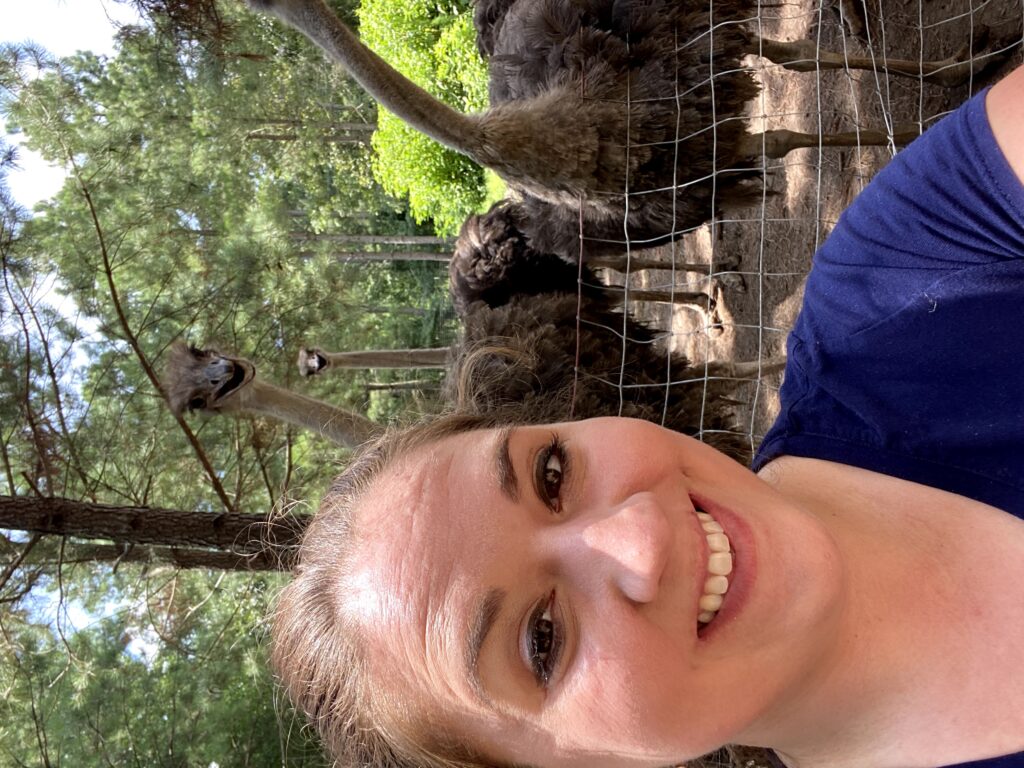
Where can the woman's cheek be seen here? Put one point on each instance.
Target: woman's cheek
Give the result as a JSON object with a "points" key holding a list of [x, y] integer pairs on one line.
{"points": [[621, 693]]}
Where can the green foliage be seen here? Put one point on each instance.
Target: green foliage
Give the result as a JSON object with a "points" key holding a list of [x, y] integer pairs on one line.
{"points": [[171, 673], [495, 187], [215, 230], [434, 45], [204, 195]]}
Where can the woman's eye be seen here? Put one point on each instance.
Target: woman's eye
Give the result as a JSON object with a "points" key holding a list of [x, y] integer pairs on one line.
{"points": [[548, 473], [543, 642]]}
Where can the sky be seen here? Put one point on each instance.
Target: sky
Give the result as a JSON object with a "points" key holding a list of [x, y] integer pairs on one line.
{"points": [[62, 27]]}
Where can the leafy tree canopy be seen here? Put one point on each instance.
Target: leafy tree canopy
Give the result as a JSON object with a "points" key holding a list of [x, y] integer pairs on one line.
{"points": [[212, 195], [434, 45]]}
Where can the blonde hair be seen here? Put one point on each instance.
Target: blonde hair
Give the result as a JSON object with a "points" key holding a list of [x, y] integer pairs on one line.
{"points": [[316, 650]]}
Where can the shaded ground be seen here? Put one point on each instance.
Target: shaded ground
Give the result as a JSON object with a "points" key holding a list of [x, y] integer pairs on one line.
{"points": [[811, 187]]}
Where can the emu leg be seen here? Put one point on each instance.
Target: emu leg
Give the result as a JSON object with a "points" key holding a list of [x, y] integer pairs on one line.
{"points": [[851, 14], [804, 56], [698, 298], [779, 143], [638, 264], [751, 369]]}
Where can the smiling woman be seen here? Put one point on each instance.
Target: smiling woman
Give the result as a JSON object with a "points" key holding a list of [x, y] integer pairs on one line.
{"points": [[610, 593], [571, 571]]}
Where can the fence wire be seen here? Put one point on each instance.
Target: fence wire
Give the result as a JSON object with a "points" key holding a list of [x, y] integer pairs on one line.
{"points": [[755, 259]]}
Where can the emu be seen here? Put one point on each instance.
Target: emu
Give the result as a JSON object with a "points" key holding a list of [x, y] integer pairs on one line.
{"points": [[544, 341], [542, 357], [627, 114], [513, 367], [555, 357], [494, 260], [207, 380]]}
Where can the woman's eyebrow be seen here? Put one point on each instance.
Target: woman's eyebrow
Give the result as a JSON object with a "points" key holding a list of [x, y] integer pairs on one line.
{"points": [[507, 480], [484, 618]]}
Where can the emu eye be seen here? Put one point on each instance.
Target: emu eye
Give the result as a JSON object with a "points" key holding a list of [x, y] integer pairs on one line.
{"points": [[196, 404]]}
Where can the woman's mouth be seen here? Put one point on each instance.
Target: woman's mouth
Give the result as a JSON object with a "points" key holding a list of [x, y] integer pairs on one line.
{"points": [[719, 566]]}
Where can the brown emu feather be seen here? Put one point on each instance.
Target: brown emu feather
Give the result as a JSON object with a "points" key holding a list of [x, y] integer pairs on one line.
{"points": [[629, 111]]}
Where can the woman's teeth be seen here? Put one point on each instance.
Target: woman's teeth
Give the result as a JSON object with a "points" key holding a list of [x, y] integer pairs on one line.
{"points": [[719, 567]]}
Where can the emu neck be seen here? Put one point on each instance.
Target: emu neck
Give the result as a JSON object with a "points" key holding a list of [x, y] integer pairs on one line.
{"points": [[428, 357], [336, 424], [390, 88]]}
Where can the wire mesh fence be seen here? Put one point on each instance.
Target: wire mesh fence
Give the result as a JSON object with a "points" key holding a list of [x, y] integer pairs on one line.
{"points": [[756, 256]]}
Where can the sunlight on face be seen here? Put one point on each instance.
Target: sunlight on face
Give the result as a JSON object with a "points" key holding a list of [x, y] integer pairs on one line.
{"points": [[542, 591]]}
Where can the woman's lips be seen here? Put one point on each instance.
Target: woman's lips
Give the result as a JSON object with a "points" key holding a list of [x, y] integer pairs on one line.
{"points": [[737, 564]]}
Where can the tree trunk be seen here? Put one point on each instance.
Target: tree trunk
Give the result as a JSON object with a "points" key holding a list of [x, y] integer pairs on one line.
{"points": [[179, 557], [373, 239], [227, 532]]}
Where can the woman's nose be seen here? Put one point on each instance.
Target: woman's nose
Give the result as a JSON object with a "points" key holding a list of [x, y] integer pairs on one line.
{"points": [[630, 546]]}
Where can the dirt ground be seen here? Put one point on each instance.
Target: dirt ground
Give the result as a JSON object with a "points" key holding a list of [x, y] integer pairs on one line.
{"points": [[811, 187]]}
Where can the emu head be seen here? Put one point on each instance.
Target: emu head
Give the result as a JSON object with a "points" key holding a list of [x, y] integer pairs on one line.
{"points": [[205, 380], [312, 361], [493, 261], [487, 253]]}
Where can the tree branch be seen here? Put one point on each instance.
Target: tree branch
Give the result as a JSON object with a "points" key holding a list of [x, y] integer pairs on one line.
{"points": [[58, 400], [10, 569], [178, 557], [133, 342]]}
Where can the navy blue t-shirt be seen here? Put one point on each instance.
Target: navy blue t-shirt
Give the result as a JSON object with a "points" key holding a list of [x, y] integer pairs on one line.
{"points": [[907, 357]]}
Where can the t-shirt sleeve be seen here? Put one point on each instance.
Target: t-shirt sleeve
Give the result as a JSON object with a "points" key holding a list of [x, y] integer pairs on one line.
{"points": [[948, 201], [906, 356]]}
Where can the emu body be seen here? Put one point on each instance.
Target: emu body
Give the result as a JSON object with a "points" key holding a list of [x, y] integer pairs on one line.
{"points": [[629, 114]]}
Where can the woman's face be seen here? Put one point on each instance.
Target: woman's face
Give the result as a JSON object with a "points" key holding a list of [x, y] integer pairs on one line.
{"points": [[547, 593]]}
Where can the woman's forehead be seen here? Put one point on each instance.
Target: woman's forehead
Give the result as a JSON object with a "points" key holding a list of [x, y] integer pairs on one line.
{"points": [[412, 517], [410, 583]]}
